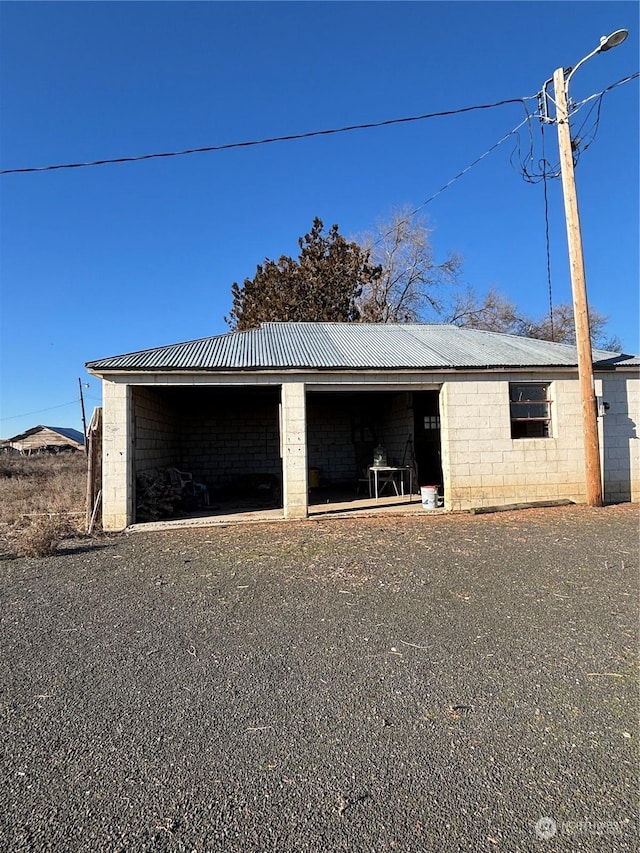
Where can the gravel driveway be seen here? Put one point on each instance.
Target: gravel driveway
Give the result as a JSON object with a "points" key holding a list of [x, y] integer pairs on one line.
{"points": [[430, 683]]}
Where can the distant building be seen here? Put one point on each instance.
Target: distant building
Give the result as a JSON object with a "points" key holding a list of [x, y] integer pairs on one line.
{"points": [[46, 439]]}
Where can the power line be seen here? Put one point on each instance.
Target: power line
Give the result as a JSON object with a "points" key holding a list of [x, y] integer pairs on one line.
{"points": [[582, 138], [297, 136], [267, 141], [471, 165], [38, 411], [576, 106], [452, 181], [552, 170], [546, 235]]}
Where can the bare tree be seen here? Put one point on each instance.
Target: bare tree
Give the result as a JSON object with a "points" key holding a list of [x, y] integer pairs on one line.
{"points": [[411, 283], [561, 327], [492, 312], [495, 313]]}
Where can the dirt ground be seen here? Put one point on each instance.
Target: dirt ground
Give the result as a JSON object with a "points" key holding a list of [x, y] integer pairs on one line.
{"points": [[435, 682]]}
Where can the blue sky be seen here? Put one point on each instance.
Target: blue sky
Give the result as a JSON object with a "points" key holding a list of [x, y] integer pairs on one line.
{"points": [[110, 259]]}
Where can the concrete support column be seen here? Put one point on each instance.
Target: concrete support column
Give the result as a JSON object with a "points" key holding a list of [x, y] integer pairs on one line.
{"points": [[445, 443], [293, 440], [117, 488]]}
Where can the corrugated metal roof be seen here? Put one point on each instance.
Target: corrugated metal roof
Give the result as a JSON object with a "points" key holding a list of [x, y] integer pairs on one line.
{"points": [[353, 346]]}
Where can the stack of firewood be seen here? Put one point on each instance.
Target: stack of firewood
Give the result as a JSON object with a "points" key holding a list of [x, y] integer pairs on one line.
{"points": [[154, 495]]}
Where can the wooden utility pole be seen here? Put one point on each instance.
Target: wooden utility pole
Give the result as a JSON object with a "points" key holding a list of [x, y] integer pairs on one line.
{"points": [[579, 289], [84, 419], [94, 469]]}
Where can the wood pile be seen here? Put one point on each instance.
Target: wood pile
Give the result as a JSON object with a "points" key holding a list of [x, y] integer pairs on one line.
{"points": [[155, 495]]}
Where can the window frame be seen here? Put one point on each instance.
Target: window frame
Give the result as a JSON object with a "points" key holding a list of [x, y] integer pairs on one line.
{"points": [[431, 423], [530, 425]]}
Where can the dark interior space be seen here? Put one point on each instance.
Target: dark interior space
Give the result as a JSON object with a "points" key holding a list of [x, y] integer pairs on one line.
{"points": [[215, 449], [344, 428], [426, 407]]}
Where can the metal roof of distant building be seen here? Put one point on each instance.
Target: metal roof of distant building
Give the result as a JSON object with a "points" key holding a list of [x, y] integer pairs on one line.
{"points": [[354, 346]]}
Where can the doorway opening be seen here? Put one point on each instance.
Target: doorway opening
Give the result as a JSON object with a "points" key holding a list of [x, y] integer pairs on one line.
{"points": [[426, 436]]}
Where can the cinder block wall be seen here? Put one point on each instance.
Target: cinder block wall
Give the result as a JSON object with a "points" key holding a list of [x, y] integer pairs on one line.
{"points": [[330, 442], [330, 438], [620, 425], [397, 427], [216, 445], [484, 466], [116, 457], [220, 446], [156, 431], [294, 450]]}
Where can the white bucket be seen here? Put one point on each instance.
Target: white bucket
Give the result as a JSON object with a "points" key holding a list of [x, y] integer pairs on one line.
{"points": [[429, 495]]}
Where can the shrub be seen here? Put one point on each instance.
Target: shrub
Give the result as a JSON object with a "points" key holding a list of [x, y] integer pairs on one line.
{"points": [[42, 499], [42, 536]]}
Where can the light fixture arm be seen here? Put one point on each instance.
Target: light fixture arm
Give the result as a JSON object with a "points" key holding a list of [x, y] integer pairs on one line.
{"points": [[573, 70], [606, 43]]}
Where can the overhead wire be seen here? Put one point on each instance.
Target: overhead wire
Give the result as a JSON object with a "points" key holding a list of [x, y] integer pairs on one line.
{"points": [[547, 169], [325, 132], [530, 175], [527, 172], [628, 79], [449, 183], [38, 411], [306, 135], [546, 235], [267, 141], [581, 140], [525, 167], [404, 220]]}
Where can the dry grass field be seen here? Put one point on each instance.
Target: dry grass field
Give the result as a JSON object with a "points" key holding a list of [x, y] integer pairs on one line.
{"points": [[42, 501]]}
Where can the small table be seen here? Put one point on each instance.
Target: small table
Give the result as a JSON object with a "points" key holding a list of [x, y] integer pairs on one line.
{"points": [[391, 472]]}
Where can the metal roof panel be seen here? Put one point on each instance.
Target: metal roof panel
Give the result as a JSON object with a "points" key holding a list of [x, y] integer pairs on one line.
{"points": [[353, 346]]}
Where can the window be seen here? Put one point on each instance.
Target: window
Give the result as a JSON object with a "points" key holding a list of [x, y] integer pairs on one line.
{"points": [[431, 422], [530, 410]]}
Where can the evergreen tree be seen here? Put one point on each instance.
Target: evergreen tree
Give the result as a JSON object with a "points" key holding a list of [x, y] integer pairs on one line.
{"points": [[322, 285]]}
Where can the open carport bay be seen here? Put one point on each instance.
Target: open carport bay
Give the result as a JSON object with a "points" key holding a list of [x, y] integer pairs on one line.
{"points": [[426, 683], [229, 439]]}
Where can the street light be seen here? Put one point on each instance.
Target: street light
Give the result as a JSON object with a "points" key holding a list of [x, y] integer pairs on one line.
{"points": [[607, 42], [561, 80]]}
